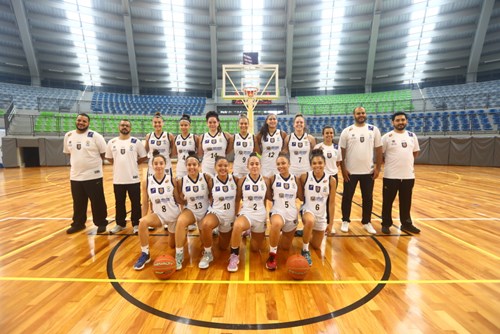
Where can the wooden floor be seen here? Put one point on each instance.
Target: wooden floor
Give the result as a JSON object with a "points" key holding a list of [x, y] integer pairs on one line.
{"points": [[446, 280]]}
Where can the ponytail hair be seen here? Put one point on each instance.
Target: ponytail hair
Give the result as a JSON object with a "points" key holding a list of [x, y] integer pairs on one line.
{"points": [[157, 153], [158, 115], [185, 117], [318, 152], [192, 154]]}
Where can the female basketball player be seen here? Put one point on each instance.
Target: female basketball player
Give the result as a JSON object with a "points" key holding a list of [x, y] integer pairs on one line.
{"points": [[221, 213], [184, 142], [319, 203], [213, 143], [282, 189], [252, 190], [161, 141], [269, 142], [194, 190], [159, 205], [244, 144], [299, 145], [333, 157]]}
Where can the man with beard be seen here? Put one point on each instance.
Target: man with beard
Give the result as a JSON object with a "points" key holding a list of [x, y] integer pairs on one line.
{"points": [[358, 143], [86, 149], [126, 153], [400, 148]]}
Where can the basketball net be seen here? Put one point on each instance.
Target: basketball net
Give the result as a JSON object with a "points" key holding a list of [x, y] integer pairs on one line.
{"points": [[250, 103]]}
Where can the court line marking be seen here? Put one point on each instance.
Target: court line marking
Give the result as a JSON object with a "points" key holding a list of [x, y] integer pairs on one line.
{"points": [[480, 250], [322, 282]]}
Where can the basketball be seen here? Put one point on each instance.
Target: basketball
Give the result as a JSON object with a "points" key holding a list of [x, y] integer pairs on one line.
{"points": [[164, 266], [297, 267]]}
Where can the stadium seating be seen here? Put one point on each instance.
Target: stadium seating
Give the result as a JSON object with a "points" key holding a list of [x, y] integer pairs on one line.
{"points": [[40, 98], [127, 104], [382, 102]]}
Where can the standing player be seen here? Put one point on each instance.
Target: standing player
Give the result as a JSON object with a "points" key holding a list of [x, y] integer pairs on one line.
{"points": [[161, 141], [299, 145], [126, 153], [221, 213], [194, 190], [252, 190], [400, 148], [86, 149], [159, 206], [269, 142], [213, 143], [319, 203], [282, 189], [359, 143], [244, 144], [333, 158], [185, 142]]}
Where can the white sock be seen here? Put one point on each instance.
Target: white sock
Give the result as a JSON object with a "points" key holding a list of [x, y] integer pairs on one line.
{"points": [[145, 249], [305, 247], [179, 250], [273, 249]]}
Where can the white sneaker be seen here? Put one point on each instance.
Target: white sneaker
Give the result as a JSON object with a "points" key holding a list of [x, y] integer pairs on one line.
{"points": [[116, 229], [369, 228], [205, 260], [345, 227], [136, 229]]}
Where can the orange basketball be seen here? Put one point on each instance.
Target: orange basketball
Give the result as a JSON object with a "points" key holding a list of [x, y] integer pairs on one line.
{"points": [[164, 266], [297, 266]]}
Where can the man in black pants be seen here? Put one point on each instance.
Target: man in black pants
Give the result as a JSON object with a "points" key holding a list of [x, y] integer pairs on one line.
{"points": [[400, 148], [86, 149], [360, 144]]}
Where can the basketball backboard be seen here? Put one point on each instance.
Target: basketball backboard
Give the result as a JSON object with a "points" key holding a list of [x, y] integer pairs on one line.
{"points": [[262, 79]]}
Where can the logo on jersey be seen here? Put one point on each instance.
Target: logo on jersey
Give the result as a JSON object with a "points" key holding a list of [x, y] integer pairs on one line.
{"points": [[370, 127], [404, 144], [217, 188], [153, 190], [192, 199], [122, 151], [178, 143], [329, 155], [245, 144], [318, 189], [250, 198], [214, 141], [311, 187], [247, 187], [255, 188], [207, 141], [281, 195], [238, 143], [286, 185], [161, 191], [158, 142], [294, 144], [300, 145], [272, 140], [278, 184], [78, 146], [195, 189], [362, 139], [188, 188], [221, 199], [133, 140], [225, 189], [90, 134]]}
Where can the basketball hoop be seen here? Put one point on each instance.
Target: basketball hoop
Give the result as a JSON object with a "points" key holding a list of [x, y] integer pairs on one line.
{"points": [[250, 91]]}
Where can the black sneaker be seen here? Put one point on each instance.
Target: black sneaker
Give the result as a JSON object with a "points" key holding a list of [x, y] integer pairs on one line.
{"points": [[299, 233], [74, 229], [386, 230], [410, 229], [101, 229]]}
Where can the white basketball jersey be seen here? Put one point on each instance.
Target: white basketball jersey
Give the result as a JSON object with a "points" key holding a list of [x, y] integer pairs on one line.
{"points": [[243, 147], [161, 195], [284, 196], [184, 146], [196, 194], [316, 196], [254, 195], [162, 144], [212, 146], [332, 154], [271, 147], [223, 197], [299, 149]]}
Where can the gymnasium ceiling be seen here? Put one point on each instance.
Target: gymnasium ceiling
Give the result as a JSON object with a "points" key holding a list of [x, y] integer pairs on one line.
{"points": [[180, 45]]}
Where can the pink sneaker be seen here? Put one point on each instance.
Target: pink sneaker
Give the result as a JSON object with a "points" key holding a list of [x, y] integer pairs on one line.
{"points": [[233, 263]]}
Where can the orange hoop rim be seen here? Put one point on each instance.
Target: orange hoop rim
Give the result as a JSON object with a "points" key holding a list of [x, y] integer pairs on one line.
{"points": [[250, 91]]}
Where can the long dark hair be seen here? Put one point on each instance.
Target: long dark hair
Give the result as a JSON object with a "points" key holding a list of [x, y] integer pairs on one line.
{"points": [[216, 115], [264, 130]]}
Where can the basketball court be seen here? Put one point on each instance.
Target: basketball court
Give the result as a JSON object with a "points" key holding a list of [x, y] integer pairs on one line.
{"points": [[444, 280]]}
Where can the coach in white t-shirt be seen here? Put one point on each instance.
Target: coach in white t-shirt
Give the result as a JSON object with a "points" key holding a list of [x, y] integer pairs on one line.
{"points": [[86, 149], [400, 148], [126, 153], [361, 160]]}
